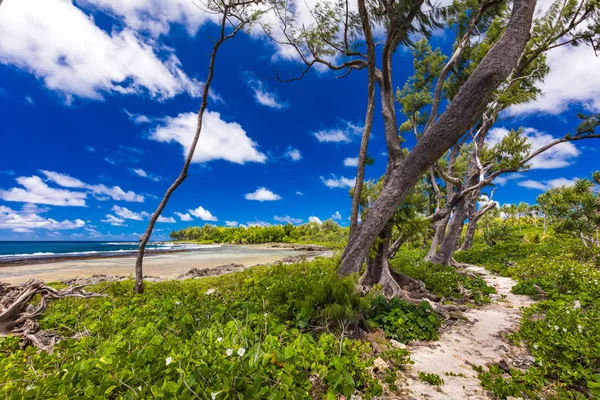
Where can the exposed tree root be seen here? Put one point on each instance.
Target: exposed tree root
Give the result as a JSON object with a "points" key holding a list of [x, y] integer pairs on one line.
{"points": [[18, 316]]}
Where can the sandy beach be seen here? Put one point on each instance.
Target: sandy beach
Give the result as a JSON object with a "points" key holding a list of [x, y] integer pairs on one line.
{"points": [[166, 265]]}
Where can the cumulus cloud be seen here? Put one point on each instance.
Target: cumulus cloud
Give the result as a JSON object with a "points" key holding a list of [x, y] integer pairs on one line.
{"points": [[185, 217], [231, 223], [101, 192], [559, 156], [29, 219], [262, 194], [168, 220], [299, 193], [344, 133], [35, 190], [547, 185], [128, 214], [573, 80], [503, 179], [314, 219], [220, 140], [262, 93], [39, 38], [293, 154], [337, 215], [351, 162], [287, 219], [258, 223], [144, 174], [114, 221], [341, 182], [203, 214]]}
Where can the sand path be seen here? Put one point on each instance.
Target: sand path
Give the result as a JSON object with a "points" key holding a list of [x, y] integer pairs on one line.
{"points": [[478, 341]]}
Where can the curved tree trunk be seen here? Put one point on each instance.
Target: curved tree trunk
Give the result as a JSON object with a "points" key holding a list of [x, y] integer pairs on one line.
{"points": [[139, 274], [466, 108], [438, 236], [451, 239]]}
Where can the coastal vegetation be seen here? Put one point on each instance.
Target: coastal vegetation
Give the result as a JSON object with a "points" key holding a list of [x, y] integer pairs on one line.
{"points": [[327, 232]]}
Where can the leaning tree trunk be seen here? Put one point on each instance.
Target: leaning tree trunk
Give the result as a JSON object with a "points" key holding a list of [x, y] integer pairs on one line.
{"points": [[438, 236], [466, 108], [393, 284], [452, 237], [139, 274]]}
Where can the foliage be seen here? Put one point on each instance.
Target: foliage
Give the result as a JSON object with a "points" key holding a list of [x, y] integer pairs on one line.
{"points": [[559, 331], [444, 281], [432, 379], [404, 321], [327, 232]]}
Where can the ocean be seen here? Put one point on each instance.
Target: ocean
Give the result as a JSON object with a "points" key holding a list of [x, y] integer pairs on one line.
{"points": [[13, 251]]}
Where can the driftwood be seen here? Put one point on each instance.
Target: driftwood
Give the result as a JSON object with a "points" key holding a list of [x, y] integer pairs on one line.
{"points": [[18, 317]]}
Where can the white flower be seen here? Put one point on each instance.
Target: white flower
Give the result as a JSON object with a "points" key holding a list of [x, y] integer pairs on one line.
{"points": [[219, 339], [535, 346], [169, 360], [556, 327], [229, 352], [565, 330], [213, 395], [541, 363], [241, 351], [177, 303], [210, 291], [140, 388], [579, 328], [576, 305]]}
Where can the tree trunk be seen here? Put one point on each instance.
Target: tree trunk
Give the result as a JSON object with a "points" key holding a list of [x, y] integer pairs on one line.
{"points": [[449, 244], [470, 234], [466, 108], [438, 236], [139, 274]]}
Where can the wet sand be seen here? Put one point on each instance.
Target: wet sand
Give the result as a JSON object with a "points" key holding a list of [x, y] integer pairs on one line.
{"points": [[166, 265]]}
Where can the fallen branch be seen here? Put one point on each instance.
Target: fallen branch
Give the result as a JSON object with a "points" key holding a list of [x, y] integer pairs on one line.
{"points": [[18, 317]]}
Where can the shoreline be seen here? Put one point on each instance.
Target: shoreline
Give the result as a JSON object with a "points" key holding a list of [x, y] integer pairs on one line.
{"points": [[163, 265], [57, 258]]}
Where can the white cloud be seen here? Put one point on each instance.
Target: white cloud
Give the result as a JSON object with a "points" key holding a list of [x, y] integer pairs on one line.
{"points": [[169, 220], [262, 194], [341, 182], [314, 219], [258, 223], [100, 191], [262, 94], [36, 191], [293, 154], [144, 174], [501, 180], [231, 223], [573, 80], [219, 140], [351, 162], [29, 219], [337, 215], [184, 216], [128, 214], [114, 221], [287, 219], [547, 185], [58, 43], [152, 16], [91, 149], [299, 193], [344, 133], [559, 156], [203, 214]]}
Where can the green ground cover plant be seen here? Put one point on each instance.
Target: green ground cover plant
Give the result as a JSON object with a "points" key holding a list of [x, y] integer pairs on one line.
{"points": [[562, 330]]}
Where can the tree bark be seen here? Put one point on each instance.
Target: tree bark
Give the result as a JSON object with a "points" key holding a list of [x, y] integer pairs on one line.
{"points": [[438, 236], [461, 114], [448, 246]]}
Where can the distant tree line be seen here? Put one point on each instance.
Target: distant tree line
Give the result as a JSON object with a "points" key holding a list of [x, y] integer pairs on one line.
{"points": [[326, 232]]}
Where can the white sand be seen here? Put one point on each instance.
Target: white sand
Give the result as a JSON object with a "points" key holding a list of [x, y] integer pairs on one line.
{"points": [[168, 265], [479, 342]]}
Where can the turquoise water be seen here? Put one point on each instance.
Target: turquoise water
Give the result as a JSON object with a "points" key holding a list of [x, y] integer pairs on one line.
{"points": [[24, 250]]}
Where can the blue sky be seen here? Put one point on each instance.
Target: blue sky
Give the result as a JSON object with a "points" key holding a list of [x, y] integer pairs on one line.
{"points": [[99, 99]]}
